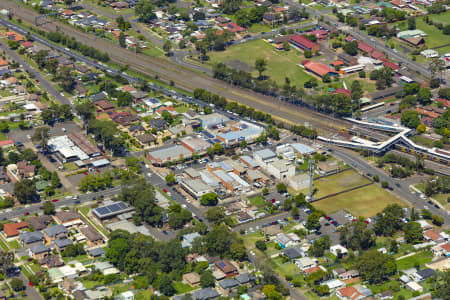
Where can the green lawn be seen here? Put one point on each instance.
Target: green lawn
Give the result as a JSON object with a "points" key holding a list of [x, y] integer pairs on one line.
{"points": [[443, 18], [257, 201], [259, 27], [422, 141], [5, 93], [365, 202], [367, 84], [337, 182], [14, 244], [280, 64], [3, 245], [434, 38], [182, 288], [181, 109], [416, 260]]}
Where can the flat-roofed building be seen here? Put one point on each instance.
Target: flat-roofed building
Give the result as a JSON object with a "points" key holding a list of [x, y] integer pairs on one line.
{"points": [[164, 155], [195, 144], [195, 187], [281, 169], [84, 144], [264, 157]]}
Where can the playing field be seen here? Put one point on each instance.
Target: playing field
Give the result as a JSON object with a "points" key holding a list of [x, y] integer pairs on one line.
{"points": [[337, 183], [365, 202], [443, 18], [280, 64]]}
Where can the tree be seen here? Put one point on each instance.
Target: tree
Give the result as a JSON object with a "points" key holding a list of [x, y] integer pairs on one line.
{"points": [[166, 286], [124, 98], [375, 266], [261, 245], [215, 214], [308, 54], [312, 223], [411, 23], [167, 46], [231, 6], [271, 292], [413, 232], [25, 191], [171, 179], [209, 199], [389, 220], [56, 183], [319, 246], [424, 96], [410, 119], [144, 10], [351, 48], [357, 236], [49, 208], [86, 110], [122, 41], [260, 65], [6, 261], [65, 78], [238, 251], [281, 188], [207, 279], [421, 128], [286, 46], [73, 250], [17, 284]]}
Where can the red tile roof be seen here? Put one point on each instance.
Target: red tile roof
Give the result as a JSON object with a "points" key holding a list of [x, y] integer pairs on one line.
{"points": [[233, 27], [430, 114], [349, 293], [364, 47], [311, 270], [320, 34], [13, 229], [27, 44], [387, 63], [444, 101], [6, 142], [432, 235], [377, 54], [337, 63], [319, 68], [299, 39], [446, 247], [349, 38], [3, 62], [343, 91]]}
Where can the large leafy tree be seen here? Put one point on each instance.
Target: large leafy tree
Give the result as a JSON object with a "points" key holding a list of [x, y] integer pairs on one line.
{"points": [[144, 10], [25, 191], [375, 266]]}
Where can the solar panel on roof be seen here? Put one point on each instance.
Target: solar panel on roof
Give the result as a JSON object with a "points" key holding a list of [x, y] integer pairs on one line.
{"points": [[102, 211], [122, 205], [114, 208], [222, 264]]}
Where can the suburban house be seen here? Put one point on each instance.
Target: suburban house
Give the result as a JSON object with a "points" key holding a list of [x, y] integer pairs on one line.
{"points": [[28, 239], [227, 268], [68, 218], [55, 232], [13, 229], [93, 238], [38, 251]]}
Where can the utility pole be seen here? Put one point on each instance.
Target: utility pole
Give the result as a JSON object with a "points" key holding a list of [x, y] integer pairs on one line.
{"points": [[311, 176]]}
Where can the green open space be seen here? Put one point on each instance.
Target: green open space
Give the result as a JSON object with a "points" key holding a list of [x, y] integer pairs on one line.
{"points": [[14, 244], [443, 18], [365, 202], [182, 288], [441, 198], [367, 84], [3, 245], [280, 64], [257, 201], [337, 183], [416, 260]]}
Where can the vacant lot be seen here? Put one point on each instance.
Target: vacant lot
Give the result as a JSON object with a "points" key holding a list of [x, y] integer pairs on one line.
{"points": [[337, 183], [280, 64], [365, 202], [257, 201]]}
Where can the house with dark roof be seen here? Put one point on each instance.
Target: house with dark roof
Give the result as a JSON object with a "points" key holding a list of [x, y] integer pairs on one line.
{"points": [[38, 251], [68, 218], [158, 124], [96, 252], [205, 294], [52, 261], [293, 253], [28, 239], [55, 232], [62, 244], [226, 267], [146, 138], [93, 238], [227, 286], [40, 222]]}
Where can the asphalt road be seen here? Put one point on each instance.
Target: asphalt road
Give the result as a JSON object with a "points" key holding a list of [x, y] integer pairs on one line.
{"points": [[46, 85]]}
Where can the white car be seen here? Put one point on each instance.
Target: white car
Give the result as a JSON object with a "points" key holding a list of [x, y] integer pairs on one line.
{"points": [[187, 200], [183, 205], [28, 136], [149, 174]]}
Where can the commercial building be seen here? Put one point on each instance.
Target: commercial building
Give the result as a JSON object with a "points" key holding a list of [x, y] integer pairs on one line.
{"points": [[195, 187], [172, 153], [299, 181], [213, 120], [195, 144], [111, 210], [281, 169], [264, 157]]}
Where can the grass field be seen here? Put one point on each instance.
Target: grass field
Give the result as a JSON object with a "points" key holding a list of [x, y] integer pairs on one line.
{"points": [[280, 64], [443, 18], [257, 201], [182, 288], [414, 260], [434, 38], [365, 202], [337, 183], [367, 85]]}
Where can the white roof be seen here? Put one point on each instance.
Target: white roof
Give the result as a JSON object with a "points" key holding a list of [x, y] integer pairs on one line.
{"points": [[333, 283]]}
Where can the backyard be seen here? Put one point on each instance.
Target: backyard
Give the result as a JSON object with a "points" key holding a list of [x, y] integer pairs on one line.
{"points": [[280, 64], [365, 202]]}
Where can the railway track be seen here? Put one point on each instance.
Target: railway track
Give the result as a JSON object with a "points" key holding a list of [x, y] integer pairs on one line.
{"points": [[187, 79]]}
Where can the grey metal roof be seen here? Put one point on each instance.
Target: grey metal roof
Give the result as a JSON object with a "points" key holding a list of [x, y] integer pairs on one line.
{"points": [[96, 252], [265, 154], [63, 243], [39, 248], [204, 294], [292, 252], [228, 283], [31, 237], [243, 278], [55, 230]]}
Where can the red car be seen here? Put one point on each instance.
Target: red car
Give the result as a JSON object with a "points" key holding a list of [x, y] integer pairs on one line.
{"points": [[26, 214], [164, 190], [55, 200], [30, 284], [85, 173], [327, 217], [37, 80], [273, 200]]}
